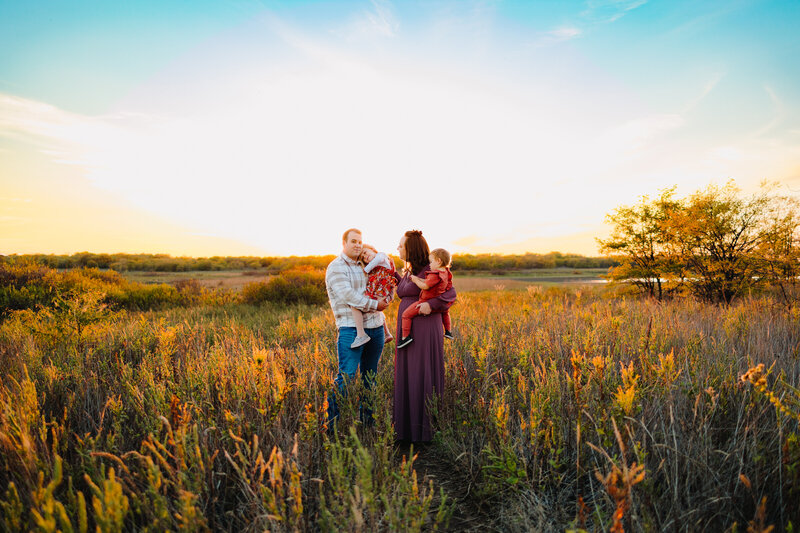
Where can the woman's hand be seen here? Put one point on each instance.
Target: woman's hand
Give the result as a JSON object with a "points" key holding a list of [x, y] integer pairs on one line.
{"points": [[424, 308]]}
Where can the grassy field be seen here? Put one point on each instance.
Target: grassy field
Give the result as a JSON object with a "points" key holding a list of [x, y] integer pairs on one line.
{"points": [[564, 408], [225, 279], [464, 281]]}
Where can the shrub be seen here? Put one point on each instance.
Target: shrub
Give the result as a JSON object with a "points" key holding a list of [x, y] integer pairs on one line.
{"points": [[28, 285], [290, 287], [25, 285], [138, 297], [21, 273]]}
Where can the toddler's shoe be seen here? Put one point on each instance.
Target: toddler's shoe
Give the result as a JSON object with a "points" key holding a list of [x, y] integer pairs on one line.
{"points": [[405, 341], [448, 334], [360, 341]]}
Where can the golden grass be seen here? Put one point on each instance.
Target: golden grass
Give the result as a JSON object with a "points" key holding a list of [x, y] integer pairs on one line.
{"points": [[563, 408]]}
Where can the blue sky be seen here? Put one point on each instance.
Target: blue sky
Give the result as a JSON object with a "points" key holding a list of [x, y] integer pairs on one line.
{"points": [[266, 127]]}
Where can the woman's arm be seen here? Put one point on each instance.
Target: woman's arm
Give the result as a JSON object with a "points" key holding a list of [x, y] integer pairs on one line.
{"points": [[439, 303]]}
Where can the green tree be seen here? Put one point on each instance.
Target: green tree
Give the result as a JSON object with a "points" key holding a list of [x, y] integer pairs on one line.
{"points": [[730, 244], [640, 242], [779, 248]]}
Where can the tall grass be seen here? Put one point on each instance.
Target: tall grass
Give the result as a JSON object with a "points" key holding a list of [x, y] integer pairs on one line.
{"points": [[562, 409]]}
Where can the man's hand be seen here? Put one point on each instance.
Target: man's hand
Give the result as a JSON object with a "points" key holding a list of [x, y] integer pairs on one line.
{"points": [[424, 308], [382, 304]]}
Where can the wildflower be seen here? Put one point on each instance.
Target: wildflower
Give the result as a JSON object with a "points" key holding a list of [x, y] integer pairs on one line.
{"points": [[259, 355], [755, 376], [625, 398]]}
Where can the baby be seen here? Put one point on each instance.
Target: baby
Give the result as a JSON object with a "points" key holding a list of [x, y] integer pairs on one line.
{"points": [[438, 280], [380, 285]]}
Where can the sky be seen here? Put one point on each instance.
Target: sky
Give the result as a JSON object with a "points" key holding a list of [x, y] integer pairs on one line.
{"points": [[259, 127]]}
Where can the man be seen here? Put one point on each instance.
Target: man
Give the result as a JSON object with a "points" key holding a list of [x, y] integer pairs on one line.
{"points": [[345, 281]]}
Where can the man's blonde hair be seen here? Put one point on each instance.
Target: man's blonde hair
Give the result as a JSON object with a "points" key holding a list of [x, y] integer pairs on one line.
{"points": [[346, 233]]}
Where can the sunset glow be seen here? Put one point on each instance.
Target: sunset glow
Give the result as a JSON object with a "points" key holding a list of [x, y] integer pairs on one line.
{"points": [[266, 128]]}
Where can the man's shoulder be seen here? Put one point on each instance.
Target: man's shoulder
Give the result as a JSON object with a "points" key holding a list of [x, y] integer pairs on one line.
{"points": [[334, 266], [338, 266], [337, 261]]}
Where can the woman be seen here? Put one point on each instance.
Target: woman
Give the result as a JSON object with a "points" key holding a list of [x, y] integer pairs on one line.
{"points": [[419, 367]]}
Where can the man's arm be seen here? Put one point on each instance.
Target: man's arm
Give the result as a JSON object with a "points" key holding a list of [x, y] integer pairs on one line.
{"points": [[340, 289]]}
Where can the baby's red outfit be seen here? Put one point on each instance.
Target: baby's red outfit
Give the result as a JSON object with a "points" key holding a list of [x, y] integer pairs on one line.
{"points": [[380, 279], [438, 281]]}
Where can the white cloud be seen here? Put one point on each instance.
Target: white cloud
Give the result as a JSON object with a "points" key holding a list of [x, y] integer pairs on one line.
{"points": [[379, 21], [558, 35], [636, 133], [607, 11], [596, 12], [707, 88], [778, 114]]}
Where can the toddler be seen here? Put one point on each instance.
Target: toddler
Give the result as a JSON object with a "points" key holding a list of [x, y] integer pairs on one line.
{"points": [[438, 280], [380, 285]]}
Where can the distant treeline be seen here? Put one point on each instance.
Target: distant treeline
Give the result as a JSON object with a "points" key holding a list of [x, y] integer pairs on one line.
{"points": [[167, 263], [528, 261]]}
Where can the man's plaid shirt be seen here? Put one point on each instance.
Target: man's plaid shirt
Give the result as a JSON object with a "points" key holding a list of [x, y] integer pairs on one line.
{"points": [[345, 281]]}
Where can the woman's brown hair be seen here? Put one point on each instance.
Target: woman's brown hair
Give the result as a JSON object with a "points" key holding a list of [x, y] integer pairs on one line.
{"points": [[417, 251]]}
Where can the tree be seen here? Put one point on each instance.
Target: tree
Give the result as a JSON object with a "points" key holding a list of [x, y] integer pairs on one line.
{"points": [[728, 242], [716, 242], [779, 249], [640, 243]]}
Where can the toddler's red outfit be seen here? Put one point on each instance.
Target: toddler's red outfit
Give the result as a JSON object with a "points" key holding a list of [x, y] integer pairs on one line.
{"points": [[380, 277], [438, 281]]}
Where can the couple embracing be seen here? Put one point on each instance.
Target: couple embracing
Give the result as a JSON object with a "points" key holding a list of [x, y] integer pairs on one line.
{"points": [[421, 325]]}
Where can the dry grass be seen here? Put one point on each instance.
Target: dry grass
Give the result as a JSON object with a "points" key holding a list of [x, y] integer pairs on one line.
{"points": [[464, 281], [563, 408]]}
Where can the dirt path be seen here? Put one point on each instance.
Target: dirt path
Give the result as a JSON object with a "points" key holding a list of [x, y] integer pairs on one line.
{"points": [[466, 516]]}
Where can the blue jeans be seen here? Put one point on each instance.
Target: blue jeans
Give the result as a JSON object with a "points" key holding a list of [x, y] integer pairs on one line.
{"points": [[366, 357]]}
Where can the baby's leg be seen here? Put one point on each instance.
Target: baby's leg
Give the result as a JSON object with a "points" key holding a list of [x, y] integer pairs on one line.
{"points": [[387, 335], [410, 312], [361, 336], [358, 318], [446, 320]]}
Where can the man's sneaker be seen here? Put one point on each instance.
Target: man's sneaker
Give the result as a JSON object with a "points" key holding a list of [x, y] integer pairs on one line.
{"points": [[360, 341], [405, 342], [448, 334]]}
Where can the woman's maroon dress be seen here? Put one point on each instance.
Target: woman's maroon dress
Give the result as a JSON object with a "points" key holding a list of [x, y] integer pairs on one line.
{"points": [[419, 367]]}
